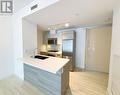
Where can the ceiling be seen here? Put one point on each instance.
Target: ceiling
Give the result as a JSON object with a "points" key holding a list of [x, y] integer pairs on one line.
{"points": [[76, 12], [19, 4]]}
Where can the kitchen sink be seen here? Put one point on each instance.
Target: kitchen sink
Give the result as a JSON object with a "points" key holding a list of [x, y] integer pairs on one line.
{"points": [[41, 57]]}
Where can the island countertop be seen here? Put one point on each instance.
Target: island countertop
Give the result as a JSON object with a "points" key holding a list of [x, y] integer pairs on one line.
{"points": [[51, 64]]}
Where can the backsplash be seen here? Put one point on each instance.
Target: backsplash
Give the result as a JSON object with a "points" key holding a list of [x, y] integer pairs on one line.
{"points": [[53, 47]]}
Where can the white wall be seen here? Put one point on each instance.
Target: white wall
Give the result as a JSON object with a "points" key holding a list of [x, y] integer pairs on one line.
{"points": [[29, 37], [6, 47], [114, 78], [18, 39], [25, 39]]}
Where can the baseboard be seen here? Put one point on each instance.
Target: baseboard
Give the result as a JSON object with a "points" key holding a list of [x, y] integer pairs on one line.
{"points": [[109, 91]]}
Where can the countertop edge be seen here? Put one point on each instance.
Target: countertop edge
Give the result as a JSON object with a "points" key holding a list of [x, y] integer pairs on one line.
{"points": [[48, 70]]}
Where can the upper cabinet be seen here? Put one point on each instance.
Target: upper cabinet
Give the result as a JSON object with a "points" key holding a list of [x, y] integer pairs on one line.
{"points": [[52, 34], [56, 34], [68, 35], [45, 37]]}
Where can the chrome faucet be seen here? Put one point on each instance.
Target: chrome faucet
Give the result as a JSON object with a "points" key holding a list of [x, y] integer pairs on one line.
{"points": [[34, 52]]}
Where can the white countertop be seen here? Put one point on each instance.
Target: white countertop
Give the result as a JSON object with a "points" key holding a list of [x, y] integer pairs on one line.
{"points": [[51, 64]]}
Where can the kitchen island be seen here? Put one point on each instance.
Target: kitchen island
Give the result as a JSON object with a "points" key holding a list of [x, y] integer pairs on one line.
{"points": [[50, 75]]}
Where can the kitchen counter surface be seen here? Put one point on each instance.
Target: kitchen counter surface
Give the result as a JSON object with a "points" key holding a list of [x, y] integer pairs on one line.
{"points": [[51, 64]]}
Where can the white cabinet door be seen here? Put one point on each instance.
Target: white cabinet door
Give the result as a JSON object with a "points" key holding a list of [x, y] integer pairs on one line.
{"points": [[98, 49], [52, 34], [68, 35]]}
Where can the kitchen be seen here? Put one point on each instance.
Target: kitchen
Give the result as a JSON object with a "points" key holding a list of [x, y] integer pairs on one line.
{"points": [[60, 47], [55, 43], [39, 37], [52, 54], [44, 71], [51, 44], [58, 44]]}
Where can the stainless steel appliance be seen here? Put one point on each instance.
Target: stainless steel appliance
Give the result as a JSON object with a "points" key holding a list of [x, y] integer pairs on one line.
{"points": [[68, 47], [52, 41]]}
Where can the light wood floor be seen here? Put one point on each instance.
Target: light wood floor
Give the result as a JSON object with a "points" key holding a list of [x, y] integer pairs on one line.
{"points": [[88, 83], [81, 83]]}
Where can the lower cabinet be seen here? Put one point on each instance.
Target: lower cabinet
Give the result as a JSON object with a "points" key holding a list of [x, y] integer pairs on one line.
{"points": [[49, 83]]}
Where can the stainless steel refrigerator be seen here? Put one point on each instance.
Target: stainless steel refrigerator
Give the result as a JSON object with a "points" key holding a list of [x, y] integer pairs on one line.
{"points": [[69, 47]]}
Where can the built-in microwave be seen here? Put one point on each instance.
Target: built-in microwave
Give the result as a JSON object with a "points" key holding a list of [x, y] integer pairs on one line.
{"points": [[52, 41]]}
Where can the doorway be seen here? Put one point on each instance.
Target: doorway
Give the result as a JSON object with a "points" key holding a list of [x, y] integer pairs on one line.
{"points": [[98, 45]]}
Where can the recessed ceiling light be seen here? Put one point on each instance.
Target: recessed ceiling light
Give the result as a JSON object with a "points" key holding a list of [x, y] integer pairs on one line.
{"points": [[67, 24]]}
